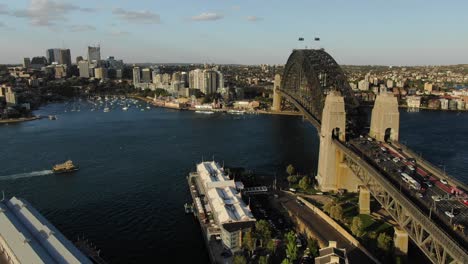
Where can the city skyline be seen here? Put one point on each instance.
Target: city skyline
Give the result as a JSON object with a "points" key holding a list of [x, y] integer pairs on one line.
{"points": [[238, 32]]}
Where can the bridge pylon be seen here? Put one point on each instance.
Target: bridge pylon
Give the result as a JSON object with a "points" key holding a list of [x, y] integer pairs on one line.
{"points": [[276, 94], [385, 120]]}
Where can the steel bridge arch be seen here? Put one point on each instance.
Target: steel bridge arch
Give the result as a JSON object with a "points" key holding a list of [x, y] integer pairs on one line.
{"points": [[309, 75]]}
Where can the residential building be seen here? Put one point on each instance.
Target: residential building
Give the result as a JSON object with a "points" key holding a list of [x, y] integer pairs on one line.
{"points": [[10, 97], [444, 103], [60, 71], [78, 59], [363, 85], [27, 237], [100, 73], [136, 76], [428, 87], [83, 67], [389, 84], [332, 255], [146, 75], [413, 101]]}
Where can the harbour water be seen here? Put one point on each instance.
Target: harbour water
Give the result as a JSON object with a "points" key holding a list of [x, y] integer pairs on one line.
{"points": [[128, 196]]}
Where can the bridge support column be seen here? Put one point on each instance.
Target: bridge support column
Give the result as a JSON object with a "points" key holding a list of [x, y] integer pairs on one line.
{"points": [[333, 125], [385, 120], [401, 242], [364, 200], [276, 95]]}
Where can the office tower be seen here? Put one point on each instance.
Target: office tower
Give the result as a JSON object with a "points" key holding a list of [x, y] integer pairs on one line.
{"points": [[26, 62], [146, 75], [64, 57], [78, 59], [52, 55], [94, 53], [83, 66], [136, 75]]}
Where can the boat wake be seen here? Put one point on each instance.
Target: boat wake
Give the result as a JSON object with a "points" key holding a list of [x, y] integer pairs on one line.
{"points": [[25, 175]]}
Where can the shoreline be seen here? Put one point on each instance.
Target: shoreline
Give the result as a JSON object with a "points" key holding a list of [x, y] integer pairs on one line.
{"points": [[264, 112], [19, 120]]}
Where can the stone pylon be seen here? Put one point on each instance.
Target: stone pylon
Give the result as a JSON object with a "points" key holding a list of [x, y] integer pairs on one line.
{"points": [[276, 94], [385, 120], [333, 124]]}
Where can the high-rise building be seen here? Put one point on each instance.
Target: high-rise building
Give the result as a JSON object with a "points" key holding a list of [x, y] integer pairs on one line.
{"points": [[60, 71], [78, 59], [83, 67], [94, 53], [52, 55], [211, 80], [136, 76], [146, 75], [65, 57], [26, 62]]}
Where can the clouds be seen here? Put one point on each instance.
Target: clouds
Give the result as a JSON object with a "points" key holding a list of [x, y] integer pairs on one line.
{"points": [[81, 28], [3, 9], [48, 12], [207, 17], [253, 18], [144, 17]]}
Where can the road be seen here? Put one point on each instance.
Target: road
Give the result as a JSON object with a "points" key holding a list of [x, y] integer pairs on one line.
{"points": [[324, 231]]}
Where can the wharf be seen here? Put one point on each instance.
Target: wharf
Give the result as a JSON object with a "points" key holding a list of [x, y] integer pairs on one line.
{"points": [[18, 120], [215, 247]]}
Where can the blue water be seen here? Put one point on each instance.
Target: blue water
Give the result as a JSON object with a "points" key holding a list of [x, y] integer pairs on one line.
{"points": [[128, 196]]}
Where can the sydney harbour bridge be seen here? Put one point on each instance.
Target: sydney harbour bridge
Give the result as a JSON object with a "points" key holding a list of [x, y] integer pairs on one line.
{"points": [[317, 86]]}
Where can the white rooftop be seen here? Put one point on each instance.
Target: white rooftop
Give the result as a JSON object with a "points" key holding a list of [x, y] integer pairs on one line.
{"points": [[226, 202], [30, 238]]}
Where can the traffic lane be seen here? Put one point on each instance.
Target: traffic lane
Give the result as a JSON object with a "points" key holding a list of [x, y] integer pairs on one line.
{"points": [[325, 231]]}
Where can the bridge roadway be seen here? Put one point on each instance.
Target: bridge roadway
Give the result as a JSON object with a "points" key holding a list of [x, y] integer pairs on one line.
{"points": [[432, 239]]}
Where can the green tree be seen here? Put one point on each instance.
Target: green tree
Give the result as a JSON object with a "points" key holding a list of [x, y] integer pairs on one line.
{"points": [[263, 231], [263, 260], [271, 247], [327, 207], [248, 242], [384, 242], [356, 226], [336, 212], [290, 169], [286, 261], [312, 245], [292, 179], [291, 246], [239, 259], [304, 183]]}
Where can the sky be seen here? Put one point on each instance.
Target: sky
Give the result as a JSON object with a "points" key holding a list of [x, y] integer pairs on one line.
{"points": [[358, 32]]}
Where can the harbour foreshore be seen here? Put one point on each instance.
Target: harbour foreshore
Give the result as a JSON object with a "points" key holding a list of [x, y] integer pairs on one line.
{"points": [[151, 101], [18, 120]]}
